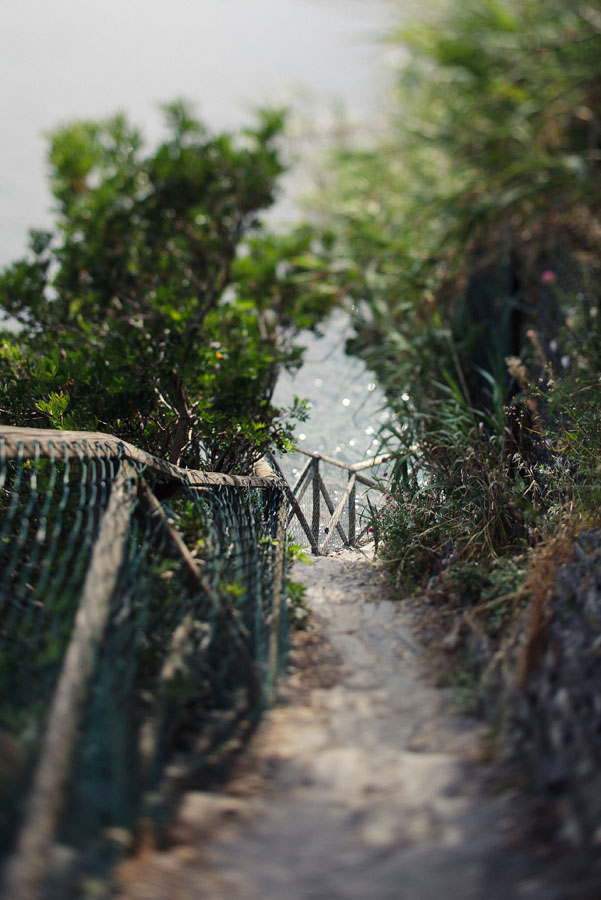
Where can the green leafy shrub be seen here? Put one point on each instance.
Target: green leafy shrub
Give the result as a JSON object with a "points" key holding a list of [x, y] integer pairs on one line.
{"points": [[160, 309], [298, 611]]}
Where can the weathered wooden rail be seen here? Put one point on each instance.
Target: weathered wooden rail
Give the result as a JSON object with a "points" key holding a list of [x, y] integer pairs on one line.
{"points": [[34, 443]]}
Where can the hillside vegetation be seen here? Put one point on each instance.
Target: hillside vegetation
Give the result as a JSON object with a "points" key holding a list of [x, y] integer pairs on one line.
{"points": [[469, 242]]}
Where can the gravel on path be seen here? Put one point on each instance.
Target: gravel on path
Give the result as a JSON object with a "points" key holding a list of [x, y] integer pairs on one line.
{"points": [[360, 784]]}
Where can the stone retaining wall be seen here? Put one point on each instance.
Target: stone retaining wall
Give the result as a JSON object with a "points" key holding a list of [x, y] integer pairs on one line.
{"points": [[553, 718]]}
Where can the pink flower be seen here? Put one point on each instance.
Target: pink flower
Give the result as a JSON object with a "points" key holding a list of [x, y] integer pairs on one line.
{"points": [[548, 276], [384, 474]]}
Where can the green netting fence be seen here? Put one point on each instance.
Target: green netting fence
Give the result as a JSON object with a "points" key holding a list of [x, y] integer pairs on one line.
{"points": [[142, 628]]}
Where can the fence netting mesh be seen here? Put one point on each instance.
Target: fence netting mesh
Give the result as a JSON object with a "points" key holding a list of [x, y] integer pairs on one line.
{"points": [[178, 661]]}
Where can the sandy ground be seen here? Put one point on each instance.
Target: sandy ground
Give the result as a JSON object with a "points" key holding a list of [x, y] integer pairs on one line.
{"points": [[360, 784]]}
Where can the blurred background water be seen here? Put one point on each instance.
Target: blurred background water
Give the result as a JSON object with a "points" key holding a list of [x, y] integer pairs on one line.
{"points": [[70, 59]]}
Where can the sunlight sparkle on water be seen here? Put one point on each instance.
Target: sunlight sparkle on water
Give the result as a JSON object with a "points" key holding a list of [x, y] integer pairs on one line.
{"points": [[346, 402], [318, 382], [302, 436], [371, 386]]}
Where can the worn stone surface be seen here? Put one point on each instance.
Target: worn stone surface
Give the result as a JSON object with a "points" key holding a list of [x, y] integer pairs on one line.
{"points": [[360, 784]]}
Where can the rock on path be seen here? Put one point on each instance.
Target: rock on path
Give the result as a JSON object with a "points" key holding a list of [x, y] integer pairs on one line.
{"points": [[359, 785]]}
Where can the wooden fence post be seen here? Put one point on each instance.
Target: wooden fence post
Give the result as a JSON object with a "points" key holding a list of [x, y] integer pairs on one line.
{"points": [[316, 502]]}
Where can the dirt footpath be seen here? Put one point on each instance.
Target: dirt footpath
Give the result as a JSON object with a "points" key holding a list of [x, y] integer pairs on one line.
{"points": [[359, 785]]}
